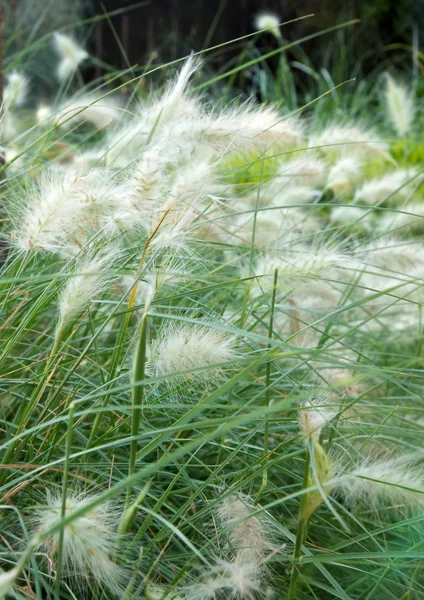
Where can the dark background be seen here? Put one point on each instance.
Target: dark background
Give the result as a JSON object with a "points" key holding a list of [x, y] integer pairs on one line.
{"points": [[172, 28]]}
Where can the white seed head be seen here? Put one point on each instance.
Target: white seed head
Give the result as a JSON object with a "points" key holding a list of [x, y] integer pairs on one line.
{"points": [[174, 95], [232, 580], [295, 196], [344, 174], [63, 210], [349, 140], [249, 126], [44, 114], [299, 265], [100, 112], [89, 280], [410, 215], [180, 348], [396, 184], [390, 482], [269, 21], [351, 215], [7, 580], [15, 91], [392, 254], [314, 416], [70, 53], [400, 106], [88, 541], [249, 534], [308, 171]]}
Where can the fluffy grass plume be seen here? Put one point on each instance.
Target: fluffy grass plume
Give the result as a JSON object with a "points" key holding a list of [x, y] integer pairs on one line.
{"points": [[88, 543]]}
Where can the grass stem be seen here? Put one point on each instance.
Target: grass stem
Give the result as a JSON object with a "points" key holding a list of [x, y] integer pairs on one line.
{"points": [[68, 448], [302, 526], [268, 391], [137, 398]]}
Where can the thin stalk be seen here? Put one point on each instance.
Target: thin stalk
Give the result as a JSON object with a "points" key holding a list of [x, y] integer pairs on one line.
{"points": [[302, 527], [129, 590], [115, 362], [268, 390], [223, 438], [137, 399], [68, 448], [255, 216], [124, 327], [55, 349]]}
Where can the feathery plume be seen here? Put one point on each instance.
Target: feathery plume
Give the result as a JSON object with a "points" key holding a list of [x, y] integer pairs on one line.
{"points": [[100, 112], [15, 91], [314, 416], [70, 53], [62, 210], [295, 195], [167, 121], [249, 126], [312, 420], [300, 264], [411, 215], [351, 215], [43, 114], [7, 580], [394, 255], [389, 482], [390, 186], [248, 534], [170, 104], [142, 194], [344, 174], [88, 541], [349, 140], [269, 21], [301, 172], [400, 106], [232, 580], [180, 348], [82, 288]]}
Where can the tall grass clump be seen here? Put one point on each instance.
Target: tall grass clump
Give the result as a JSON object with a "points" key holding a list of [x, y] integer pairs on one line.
{"points": [[211, 341]]}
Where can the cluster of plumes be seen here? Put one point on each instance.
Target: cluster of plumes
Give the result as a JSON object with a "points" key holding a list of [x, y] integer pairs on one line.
{"points": [[17, 88], [248, 545], [160, 180], [154, 178], [156, 168], [159, 174]]}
